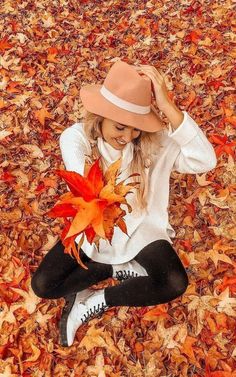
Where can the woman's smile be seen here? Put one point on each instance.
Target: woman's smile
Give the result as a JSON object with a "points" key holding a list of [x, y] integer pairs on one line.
{"points": [[121, 142]]}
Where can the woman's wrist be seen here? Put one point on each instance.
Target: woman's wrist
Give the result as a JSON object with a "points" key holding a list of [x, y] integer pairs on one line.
{"points": [[173, 113]]}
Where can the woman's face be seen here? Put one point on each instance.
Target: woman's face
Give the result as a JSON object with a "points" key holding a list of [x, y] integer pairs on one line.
{"points": [[117, 134]]}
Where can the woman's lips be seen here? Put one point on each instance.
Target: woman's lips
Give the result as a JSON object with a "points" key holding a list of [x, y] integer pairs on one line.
{"points": [[121, 143]]}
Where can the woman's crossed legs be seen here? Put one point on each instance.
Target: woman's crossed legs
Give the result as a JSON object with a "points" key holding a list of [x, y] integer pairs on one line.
{"points": [[59, 275]]}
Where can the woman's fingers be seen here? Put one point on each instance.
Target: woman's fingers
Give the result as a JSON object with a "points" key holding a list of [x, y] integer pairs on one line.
{"points": [[137, 67], [150, 68], [154, 72], [157, 76]]}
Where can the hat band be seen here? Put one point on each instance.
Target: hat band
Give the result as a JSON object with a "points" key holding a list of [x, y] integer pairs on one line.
{"points": [[124, 104]]}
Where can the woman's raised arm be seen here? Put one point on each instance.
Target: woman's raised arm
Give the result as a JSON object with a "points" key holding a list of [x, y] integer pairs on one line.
{"points": [[196, 154]]}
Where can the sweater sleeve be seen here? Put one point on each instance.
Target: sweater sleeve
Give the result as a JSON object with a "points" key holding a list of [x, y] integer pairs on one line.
{"points": [[74, 147], [196, 154]]}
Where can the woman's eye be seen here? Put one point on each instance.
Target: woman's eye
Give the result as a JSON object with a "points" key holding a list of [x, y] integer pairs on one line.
{"points": [[121, 129]]}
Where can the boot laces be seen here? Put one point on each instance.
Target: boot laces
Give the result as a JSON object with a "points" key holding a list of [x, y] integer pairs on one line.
{"points": [[96, 311], [126, 274]]}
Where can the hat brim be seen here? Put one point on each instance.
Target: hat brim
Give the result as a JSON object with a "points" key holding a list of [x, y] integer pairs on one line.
{"points": [[94, 102]]}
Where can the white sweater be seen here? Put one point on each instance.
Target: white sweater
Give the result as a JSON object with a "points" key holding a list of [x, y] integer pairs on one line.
{"points": [[185, 150]]}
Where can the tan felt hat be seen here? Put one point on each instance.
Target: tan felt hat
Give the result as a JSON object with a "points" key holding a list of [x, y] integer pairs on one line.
{"points": [[125, 97]]}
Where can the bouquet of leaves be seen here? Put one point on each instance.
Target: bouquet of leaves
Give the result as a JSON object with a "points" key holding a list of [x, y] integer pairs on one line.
{"points": [[93, 203]]}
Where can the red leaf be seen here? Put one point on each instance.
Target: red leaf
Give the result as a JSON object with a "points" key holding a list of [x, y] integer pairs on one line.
{"points": [[193, 36], [7, 177], [62, 210], [95, 177], [40, 187], [215, 83], [218, 139], [66, 229], [78, 185], [228, 150], [90, 234], [191, 209]]}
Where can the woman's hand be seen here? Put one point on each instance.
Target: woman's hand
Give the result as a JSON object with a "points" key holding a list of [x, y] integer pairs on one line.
{"points": [[163, 101], [158, 84]]}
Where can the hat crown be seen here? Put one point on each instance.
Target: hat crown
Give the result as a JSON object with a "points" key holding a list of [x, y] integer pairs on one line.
{"points": [[126, 83]]}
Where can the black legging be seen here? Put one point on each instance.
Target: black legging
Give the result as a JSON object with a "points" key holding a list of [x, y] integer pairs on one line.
{"points": [[59, 275]]}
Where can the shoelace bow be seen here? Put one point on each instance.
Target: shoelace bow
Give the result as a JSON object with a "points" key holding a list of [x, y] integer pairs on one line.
{"points": [[99, 309], [123, 275]]}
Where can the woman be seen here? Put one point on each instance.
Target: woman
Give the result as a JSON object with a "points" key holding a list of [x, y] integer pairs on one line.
{"points": [[121, 121]]}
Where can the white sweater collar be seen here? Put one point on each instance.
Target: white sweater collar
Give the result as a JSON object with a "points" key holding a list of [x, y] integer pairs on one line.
{"points": [[111, 154]]}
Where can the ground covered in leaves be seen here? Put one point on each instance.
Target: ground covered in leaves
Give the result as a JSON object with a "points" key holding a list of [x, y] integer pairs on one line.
{"points": [[47, 51]]}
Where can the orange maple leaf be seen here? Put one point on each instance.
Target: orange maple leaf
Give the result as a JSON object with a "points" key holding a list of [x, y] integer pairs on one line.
{"points": [[193, 36], [51, 57], [187, 347], [11, 88], [42, 114], [228, 281], [4, 44], [154, 314], [231, 120], [93, 203]]}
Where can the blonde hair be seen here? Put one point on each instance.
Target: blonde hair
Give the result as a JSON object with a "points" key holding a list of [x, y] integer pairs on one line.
{"points": [[145, 147]]}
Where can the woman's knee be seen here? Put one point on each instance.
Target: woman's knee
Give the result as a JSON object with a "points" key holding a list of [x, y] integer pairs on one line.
{"points": [[157, 257], [40, 285], [164, 265], [178, 281]]}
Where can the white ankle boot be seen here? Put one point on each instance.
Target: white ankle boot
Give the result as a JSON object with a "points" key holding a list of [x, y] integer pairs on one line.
{"points": [[128, 270], [80, 308]]}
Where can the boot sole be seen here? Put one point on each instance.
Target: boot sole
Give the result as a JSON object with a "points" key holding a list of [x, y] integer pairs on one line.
{"points": [[64, 316]]}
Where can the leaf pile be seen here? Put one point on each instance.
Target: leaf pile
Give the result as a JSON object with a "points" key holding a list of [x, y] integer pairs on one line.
{"points": [[48, 50], [94, 204]]}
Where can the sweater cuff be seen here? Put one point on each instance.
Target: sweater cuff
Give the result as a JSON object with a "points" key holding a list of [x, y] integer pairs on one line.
{"points": [[186, 131]]}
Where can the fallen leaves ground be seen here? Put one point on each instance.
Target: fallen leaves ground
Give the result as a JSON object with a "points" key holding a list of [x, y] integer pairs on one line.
{"points": [[47, 51]]}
